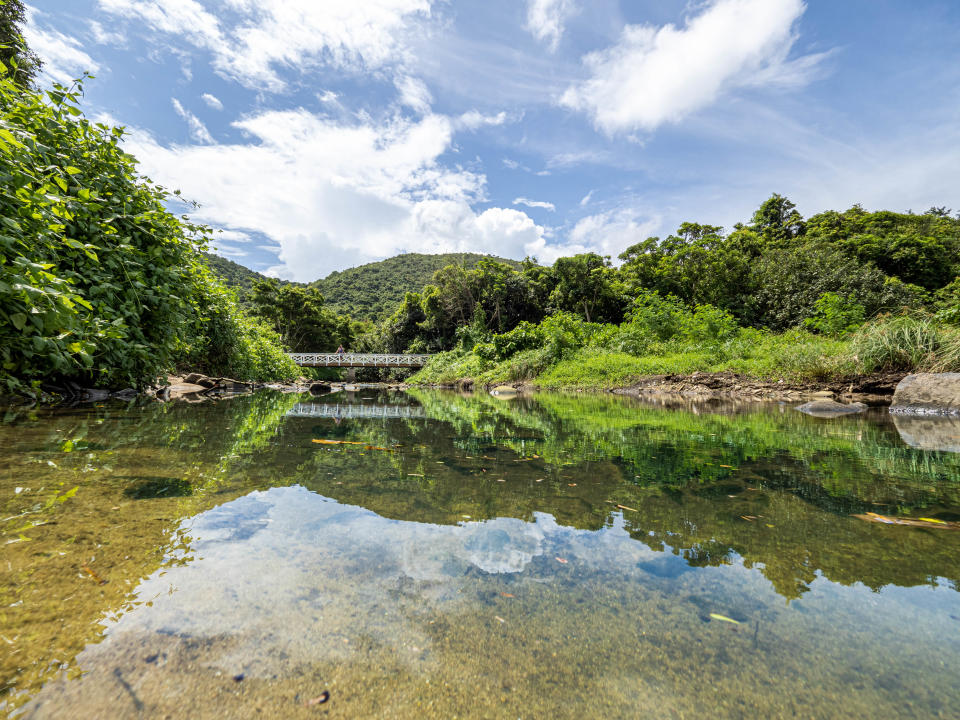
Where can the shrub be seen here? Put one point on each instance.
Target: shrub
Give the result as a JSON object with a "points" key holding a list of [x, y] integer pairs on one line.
{"points": [[835, 315], [99, 282]]}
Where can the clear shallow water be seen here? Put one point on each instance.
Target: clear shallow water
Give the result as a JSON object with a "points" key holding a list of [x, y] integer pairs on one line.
{"points": [[562, 556]]}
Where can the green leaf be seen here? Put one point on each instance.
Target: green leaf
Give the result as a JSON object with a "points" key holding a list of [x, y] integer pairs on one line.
{"points": [[19, 320]]}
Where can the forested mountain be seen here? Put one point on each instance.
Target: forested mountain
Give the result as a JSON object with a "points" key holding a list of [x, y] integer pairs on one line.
{"points": [[239, 277], [373, 291]]}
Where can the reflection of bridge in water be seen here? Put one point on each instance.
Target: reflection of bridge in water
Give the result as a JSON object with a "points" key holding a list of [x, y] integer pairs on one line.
{"points": [[347, 411]]}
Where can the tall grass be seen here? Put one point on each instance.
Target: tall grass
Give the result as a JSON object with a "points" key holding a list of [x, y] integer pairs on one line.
{"points": [[912, 342]]}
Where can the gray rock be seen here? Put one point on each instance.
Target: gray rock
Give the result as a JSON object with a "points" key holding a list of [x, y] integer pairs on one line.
{"points": [[181, 391], [928, 394], [830, 408], [928, 432], [824, 394]]}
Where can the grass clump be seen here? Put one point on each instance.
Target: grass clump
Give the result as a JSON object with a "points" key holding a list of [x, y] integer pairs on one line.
{"points": [[911, 342]]}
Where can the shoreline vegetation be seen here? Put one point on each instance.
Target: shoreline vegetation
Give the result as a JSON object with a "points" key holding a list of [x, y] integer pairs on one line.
{"points": [[103, 286]]}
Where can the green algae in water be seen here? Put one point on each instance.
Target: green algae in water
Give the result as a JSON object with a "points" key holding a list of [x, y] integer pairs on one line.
{"points": [[473, 557]]}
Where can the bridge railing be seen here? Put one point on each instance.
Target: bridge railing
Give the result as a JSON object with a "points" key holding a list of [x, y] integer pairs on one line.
{"points": [[359, 359], [345, 411]]}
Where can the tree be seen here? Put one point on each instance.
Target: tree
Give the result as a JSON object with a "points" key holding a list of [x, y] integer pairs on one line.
{"points": [[18, 61], [777, 220], [585, 284], [298, 314]]}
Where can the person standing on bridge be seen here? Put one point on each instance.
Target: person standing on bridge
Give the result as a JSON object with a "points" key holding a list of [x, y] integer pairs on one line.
{"points": [[340, 350]]}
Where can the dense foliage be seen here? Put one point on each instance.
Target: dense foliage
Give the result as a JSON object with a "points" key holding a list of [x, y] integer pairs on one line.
{"points": [[300, 316], [780, 297], [99, 282]]}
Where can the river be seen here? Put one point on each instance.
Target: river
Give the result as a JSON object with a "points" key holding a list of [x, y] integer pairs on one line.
{"points": [[433, 554]]}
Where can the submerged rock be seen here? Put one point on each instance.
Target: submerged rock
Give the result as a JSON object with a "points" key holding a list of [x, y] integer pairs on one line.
{"points": [[928, 394], [830, 408]]}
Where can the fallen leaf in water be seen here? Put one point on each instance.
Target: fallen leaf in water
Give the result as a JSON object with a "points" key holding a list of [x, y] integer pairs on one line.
{"points": [[561, 560], [499, 619], [769, 525], [324, 441], [751, 518], [415, 475], [91, 573], [727, 466], [507, 595], [933, 520], [572, 484], [624, 507], [724, 618]]}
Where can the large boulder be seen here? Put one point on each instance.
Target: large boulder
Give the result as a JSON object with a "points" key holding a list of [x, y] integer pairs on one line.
{"points": [[830, 408], [928, 394]]}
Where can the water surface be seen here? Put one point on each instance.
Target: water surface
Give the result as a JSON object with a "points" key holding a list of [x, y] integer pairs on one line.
{"points": [[441, 555]]}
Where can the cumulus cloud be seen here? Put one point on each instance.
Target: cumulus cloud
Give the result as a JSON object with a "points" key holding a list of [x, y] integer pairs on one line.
{"points": [[249, 43], [608, 233], [212, 101], [535, 203], [657, 75], [63, 56], [546, 19], [198, 131], [332, 193]]}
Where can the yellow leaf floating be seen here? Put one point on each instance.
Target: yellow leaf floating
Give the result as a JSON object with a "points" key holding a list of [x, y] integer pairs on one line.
{"points": [[724, 618], [933, 520]]}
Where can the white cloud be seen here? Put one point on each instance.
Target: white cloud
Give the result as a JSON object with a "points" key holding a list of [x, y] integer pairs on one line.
{"points": [[333, 194], [474, 120], [659, 75], [546, 19], [102, 36], [414, 93], [63, 57], [198, 131], [212, 101], [610, 232], [328, 97], [231, 236], [268, 34], [585, 200], [535, 203]]}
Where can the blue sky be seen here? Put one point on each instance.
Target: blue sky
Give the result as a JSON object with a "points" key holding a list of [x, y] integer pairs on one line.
{"points": [[322, 134]]}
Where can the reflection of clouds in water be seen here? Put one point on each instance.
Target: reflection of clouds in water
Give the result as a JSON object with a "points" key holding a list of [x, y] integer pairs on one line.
{"points": [[503, 545], [288, 575]]}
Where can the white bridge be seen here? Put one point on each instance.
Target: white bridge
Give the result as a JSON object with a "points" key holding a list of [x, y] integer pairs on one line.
{"points": [[356, 360], [355, 410]]}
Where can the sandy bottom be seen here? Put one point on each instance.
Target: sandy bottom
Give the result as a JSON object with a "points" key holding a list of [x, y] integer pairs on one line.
{"points": [[290, 594]]}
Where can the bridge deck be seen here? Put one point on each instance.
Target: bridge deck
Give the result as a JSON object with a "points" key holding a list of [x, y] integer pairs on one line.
{"points": [[359, 359]]}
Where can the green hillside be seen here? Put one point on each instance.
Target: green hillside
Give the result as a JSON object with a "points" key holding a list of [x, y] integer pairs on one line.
{"points": [[369, 292], [239, 277]]}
